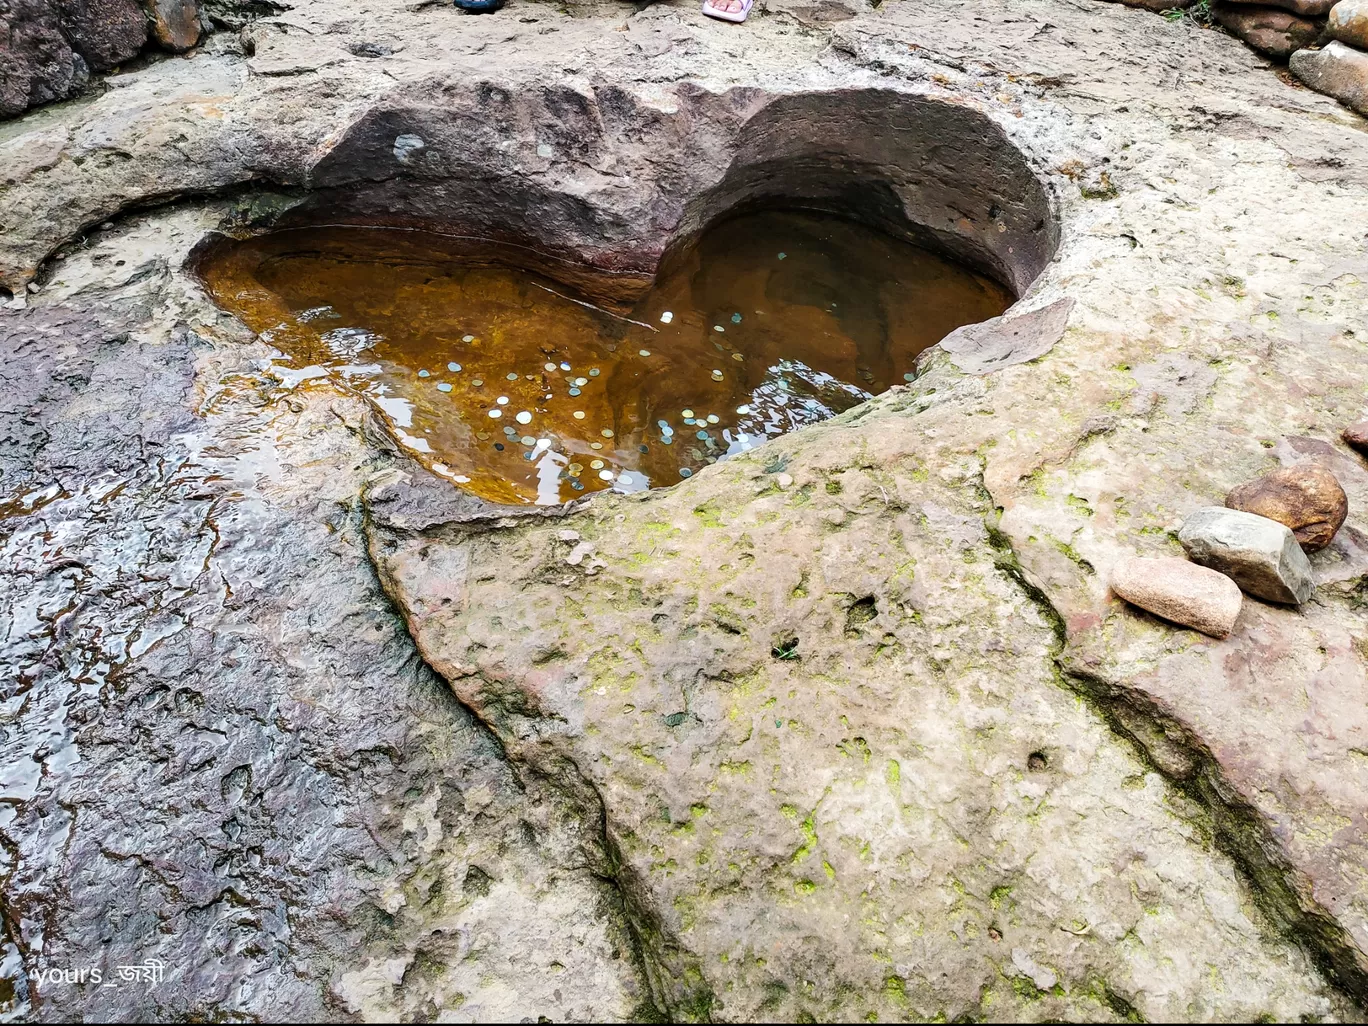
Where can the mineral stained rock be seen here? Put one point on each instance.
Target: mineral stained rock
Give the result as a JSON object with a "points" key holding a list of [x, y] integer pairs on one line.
{"points": [[1184, 593], [1336, 70], [1269, 30], [1349, 23], [1260, 555], [175, 23], [1306, 497]]}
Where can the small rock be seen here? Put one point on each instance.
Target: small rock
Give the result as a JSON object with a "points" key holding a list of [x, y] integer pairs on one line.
{"points": [[1337, 70], [579, 552], [1356, 435], [1260, 555], [1267, 29], [175, 23], [1349, 23], [34, 287], [1179, 591], [1306, 498], [567, 536], [1306, 8], [784, 481]]}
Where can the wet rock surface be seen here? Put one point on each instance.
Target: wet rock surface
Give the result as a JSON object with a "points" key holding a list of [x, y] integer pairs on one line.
{"points": [[1260, 555], [1306, 497], [756, 706]]}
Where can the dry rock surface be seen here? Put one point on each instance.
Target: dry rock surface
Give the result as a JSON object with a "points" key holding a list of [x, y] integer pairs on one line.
{"points": [[1260, 555], [1306, 497], [851, 726]]}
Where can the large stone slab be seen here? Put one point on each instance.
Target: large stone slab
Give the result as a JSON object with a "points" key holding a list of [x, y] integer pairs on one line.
{"points": [[1262, 556]]}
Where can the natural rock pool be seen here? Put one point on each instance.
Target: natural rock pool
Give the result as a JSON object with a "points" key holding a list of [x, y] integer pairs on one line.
{"points": [[522, 391]]}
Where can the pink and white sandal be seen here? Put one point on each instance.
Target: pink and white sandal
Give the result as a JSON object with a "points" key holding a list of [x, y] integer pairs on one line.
{"points": [[733, 16]]}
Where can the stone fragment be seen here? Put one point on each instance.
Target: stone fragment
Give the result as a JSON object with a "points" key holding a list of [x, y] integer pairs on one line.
{"points": [[1260, 555], [1356, 435], [1307, 498], [1269, 30], [175, 23], [1182, 592], [1349, 23], [1306, 8], [1337, 70]]}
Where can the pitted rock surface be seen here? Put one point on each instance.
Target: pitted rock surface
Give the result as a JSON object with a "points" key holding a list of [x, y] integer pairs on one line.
{"points": [[876, 651]]}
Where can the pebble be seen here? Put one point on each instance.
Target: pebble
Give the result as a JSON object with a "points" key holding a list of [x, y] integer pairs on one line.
{"points": [[1181, 592], [666, 317], [784, 481], [1356, 435], [1336, 70], [1260, 555], [1306, 498], [524, 417]]}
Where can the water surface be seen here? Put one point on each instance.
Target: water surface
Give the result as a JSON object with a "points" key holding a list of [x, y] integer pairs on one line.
{"points": [[522, 392]]}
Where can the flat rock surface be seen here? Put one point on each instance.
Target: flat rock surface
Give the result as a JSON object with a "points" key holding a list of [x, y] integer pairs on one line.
{"points": [[849, 726]]}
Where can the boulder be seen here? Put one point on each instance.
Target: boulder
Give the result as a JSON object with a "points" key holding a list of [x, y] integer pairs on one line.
{"points": [[37, 64], [1356, 436], [1182, 592], [104, 32], [1306, 8], [175, 23], [1260, 555], [1349, 23], [1307, 498], [1155, 5], [1337, 70], [1269, 30]]}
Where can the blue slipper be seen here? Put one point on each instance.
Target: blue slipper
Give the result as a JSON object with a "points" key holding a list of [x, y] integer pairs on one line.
{"points": [[479, 6]]}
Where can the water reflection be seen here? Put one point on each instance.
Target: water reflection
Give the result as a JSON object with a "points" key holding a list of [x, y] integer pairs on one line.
{"points": [[511, 387]]}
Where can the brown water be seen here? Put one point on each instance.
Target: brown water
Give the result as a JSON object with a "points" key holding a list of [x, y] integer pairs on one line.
{"points": [[519, 391]]}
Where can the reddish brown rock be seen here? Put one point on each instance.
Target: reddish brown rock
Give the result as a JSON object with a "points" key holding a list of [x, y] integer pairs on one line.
{"points": [[1269, 30], [1349, 23], [1306, 8], [175, 23], [1356, 435], [1306, 498]]}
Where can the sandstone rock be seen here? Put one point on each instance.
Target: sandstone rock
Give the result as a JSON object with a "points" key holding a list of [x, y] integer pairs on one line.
{"points": [[104, 32], [175, 23], [1260, 555], [1267, 29], [1356, 435], [1337, 70], [1182, 592], [1306, 8], [1349, 23], [1306, 498]]}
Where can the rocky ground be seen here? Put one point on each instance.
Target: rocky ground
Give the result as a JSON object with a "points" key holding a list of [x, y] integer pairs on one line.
{"points": [[848, 727]]}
